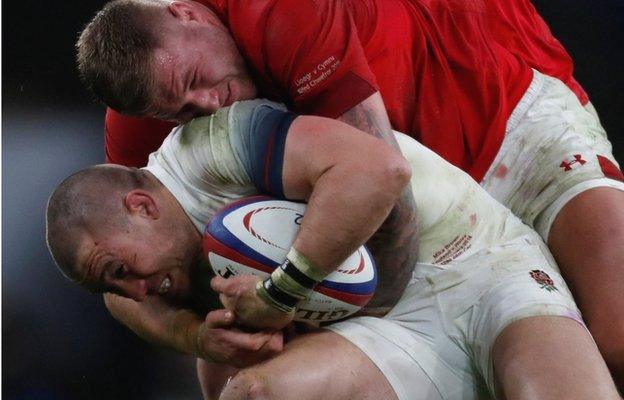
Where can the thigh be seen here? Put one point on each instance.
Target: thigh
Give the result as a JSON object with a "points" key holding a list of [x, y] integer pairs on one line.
{"points": [[586, 239], [508, 283], [213, 377], [550, 358], [320, 365]]}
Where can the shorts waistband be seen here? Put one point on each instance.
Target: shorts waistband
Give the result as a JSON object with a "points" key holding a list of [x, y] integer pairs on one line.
{"points": [[527, 99]]}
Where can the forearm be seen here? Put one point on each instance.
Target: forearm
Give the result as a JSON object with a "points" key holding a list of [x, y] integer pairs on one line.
{"points": [[370, 116], [395, 247], [212, 338], [395, 243], [158, 322]]}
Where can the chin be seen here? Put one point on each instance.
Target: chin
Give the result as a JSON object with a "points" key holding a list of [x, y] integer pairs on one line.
{"points": [[183, 290], [243, 88]]}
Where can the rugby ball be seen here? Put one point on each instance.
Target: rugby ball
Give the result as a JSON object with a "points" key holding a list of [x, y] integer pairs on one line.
{"points": [[253, 236]]}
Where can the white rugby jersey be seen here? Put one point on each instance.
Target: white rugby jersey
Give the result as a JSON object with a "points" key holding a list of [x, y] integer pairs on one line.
{"points": [[235, 153]]}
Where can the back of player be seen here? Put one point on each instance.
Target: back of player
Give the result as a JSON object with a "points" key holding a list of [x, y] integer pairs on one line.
{"points": [[517, 26], [480, 268], [457, 217]]}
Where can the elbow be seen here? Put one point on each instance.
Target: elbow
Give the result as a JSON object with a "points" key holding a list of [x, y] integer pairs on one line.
{"points": [[397, 174]]}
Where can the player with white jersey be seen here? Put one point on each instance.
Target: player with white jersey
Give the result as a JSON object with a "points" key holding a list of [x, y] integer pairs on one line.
{"points": [[485, 311], [480, 270]]}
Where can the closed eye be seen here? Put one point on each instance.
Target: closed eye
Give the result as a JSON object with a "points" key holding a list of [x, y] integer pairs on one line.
{"points": [[120, 272], [193, 81]]}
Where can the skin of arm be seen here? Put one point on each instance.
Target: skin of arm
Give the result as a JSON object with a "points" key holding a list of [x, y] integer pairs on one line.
{"points": [[350, 182], [213, 338], [157, 321], [349, 196], [395, 244]]}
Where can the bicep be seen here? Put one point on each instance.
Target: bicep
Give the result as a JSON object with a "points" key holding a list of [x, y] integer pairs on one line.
{"points": [[315, 145]]}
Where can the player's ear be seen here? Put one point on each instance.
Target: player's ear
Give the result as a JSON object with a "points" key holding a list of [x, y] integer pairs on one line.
{"points": [[142, 203], [185, 11]]}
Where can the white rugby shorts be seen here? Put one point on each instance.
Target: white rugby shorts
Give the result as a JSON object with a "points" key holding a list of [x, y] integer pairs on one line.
{"points": [[443, 329], [554, 149]]}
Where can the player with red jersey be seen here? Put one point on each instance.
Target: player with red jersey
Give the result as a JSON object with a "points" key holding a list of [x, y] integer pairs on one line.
{"points": [[445, 73], [515, 25]]}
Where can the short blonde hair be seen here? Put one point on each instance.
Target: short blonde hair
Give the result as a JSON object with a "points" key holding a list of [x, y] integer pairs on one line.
{"points": [[114, 53]]}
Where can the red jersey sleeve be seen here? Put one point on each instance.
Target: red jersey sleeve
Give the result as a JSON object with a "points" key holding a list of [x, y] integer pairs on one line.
{"points": [[312, 50], [129, 141]]}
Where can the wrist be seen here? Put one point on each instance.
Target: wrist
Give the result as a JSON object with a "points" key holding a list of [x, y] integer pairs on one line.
{"points": [[290, 283], [186, 333], [276, 298]]}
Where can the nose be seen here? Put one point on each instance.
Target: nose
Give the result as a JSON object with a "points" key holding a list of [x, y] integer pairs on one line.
{"points": [[205, 101], [133, 288]]}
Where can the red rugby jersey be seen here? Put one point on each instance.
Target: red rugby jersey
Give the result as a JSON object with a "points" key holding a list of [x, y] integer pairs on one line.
{"points": [[443, 78], [517, 26], [129, 141]]}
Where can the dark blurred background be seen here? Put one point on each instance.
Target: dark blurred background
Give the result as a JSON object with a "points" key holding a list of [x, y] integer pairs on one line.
{"points": [[57, 341]]}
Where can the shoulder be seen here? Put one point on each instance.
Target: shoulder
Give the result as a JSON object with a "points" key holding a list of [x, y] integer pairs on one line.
{"points": [[214, 131], [243, 116], [242, 109], [272, 22], [222, 123]]}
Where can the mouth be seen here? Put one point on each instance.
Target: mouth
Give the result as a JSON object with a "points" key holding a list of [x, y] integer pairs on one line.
{"points": [[165, 285]]}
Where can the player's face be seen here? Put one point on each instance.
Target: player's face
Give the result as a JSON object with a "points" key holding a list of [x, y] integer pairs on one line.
{"points": [[197, 71], [140, 262]]}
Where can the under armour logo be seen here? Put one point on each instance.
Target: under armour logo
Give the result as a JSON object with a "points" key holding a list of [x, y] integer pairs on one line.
{"points": [[567, 165]]}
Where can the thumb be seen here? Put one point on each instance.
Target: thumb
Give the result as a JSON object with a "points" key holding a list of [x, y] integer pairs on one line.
{"points": [[228, 302], [276, 343], [219, 318], [224, 286]]}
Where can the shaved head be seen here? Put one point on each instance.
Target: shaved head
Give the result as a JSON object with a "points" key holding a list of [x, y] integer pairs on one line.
{"points": [[89, 201]]}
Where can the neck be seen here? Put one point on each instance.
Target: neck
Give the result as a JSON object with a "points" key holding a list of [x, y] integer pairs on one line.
{"points": [[173, 205]]}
